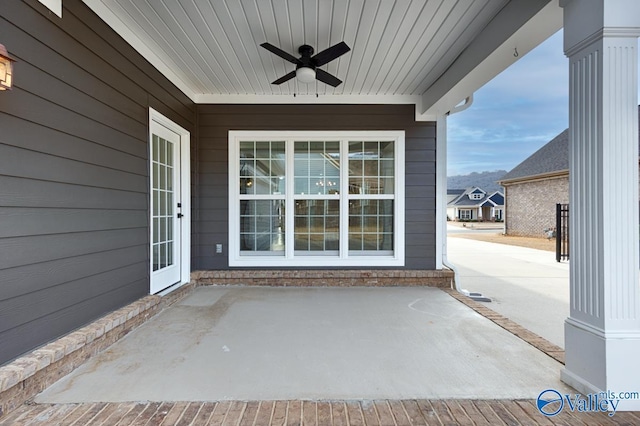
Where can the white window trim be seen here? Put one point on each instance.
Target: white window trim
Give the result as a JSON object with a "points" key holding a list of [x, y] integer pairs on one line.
{"points": [[397, 259]]}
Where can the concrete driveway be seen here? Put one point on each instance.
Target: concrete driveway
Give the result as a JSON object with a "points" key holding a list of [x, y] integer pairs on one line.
{"points": [[249, 343], [526, 285]]}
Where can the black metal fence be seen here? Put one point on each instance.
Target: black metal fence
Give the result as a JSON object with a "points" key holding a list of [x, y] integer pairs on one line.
{"points": [[562, 232]]}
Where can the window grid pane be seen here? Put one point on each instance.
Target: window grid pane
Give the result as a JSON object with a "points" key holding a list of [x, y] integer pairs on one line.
{"points": [[317, 225], [262, 165], [371, 225], [371, 167], [262, 225], [316, 167]]}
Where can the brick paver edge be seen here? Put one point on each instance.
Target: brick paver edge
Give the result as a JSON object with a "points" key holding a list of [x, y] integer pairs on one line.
{"points": [[538, 342]]}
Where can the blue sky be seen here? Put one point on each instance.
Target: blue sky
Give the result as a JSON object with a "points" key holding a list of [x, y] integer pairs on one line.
{"points": [[514, 114]]}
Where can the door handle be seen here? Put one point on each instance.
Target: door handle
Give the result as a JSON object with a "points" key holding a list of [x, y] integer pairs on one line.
{"points": [[180, 215]]}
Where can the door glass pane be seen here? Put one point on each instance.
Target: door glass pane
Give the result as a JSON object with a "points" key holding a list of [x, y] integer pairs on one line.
{"points": [[169, 154], [155, 149], [156, 257], [162, 202]]}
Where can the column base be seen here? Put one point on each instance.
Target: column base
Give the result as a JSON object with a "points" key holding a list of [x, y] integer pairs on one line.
{"points": [[596, 361]]}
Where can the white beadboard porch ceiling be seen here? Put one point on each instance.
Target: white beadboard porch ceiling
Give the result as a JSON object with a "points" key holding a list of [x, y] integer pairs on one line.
{"points": [[399, 48]]}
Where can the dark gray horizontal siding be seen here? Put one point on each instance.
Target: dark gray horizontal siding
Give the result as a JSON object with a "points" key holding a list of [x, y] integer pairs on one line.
{"points": [[39, 276], [74, 179], [420, 192], [215, 121], [131, 158], [64, 320], [21, 221], [20, 251], [47, 113], [18, 310], [21, 192], [19, 162]]}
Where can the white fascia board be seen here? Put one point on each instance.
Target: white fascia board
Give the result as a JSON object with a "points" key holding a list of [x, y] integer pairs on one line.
{"points": [[102, 10], [476, 66]]}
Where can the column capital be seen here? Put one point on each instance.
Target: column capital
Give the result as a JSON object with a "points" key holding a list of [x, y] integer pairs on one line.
{"points": [[587, 21]]}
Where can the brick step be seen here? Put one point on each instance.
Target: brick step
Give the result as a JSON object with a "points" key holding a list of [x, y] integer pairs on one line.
{"points": [[326, 278]]}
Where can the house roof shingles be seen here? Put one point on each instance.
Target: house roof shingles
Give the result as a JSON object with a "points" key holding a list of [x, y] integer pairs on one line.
{"points": [[463, 200], [552, 157]]}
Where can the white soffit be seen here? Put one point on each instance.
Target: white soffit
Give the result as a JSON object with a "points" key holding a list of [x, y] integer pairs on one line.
{"points": [[210, 49]]}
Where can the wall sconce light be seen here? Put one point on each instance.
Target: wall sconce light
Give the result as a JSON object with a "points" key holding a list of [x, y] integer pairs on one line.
{"points": [[6, 69]]}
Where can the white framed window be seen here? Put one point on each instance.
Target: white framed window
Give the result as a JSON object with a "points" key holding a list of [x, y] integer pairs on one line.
{"points": [[466, 214], [476, 196], [307, 198]]}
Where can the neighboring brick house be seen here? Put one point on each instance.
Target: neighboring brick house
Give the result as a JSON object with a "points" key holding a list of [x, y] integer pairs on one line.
{"points": [[534, 187], [474, 204]]}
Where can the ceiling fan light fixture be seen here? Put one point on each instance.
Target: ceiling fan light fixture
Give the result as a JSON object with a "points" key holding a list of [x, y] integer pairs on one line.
{"points": [[306, 75]]}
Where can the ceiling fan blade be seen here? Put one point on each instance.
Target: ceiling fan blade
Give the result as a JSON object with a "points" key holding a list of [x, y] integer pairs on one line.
{"points": [[285, 78], [284, 55], [330, 54], [325, 77]]}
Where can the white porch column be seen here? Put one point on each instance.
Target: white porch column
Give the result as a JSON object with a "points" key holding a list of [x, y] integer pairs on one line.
{"points": [[602, 334]]}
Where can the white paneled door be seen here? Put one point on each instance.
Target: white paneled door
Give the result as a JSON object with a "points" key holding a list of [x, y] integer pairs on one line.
{"points": [[166, 208]]}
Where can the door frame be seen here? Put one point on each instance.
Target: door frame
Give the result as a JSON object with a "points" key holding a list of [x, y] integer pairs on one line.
{"points": [[158, 119]]}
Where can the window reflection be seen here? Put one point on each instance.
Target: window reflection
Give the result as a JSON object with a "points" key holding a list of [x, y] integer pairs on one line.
{"points": [[317, 167], [262, 225], [371, 167], [370, 225], [317, 225]]}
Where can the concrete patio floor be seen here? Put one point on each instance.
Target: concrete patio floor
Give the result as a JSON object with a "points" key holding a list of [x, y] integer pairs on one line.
{"points": [[264, 344]]}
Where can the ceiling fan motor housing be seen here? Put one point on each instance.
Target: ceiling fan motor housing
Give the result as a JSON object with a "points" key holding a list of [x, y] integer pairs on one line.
{"points": [[305, 61]]}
